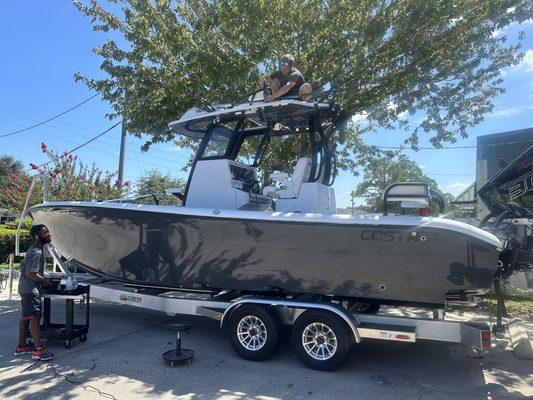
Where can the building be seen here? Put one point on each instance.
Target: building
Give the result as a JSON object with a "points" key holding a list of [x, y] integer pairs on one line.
{"points": [[493, 151]]}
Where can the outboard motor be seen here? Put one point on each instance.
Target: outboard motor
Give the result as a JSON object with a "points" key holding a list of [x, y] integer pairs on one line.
{"points": [[509, 197]]}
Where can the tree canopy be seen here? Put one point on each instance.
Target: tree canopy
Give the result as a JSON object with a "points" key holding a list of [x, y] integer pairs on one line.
{"points": [[383, 58], [154, 182], [9, 165], [384, 171]]}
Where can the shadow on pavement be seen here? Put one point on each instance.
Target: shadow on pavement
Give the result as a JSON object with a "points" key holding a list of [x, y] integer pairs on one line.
{"points": [[122, 357]]}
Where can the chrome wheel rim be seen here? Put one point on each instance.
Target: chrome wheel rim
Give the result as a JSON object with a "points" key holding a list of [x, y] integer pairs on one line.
{"points": [[319, 341], [252, 333]]}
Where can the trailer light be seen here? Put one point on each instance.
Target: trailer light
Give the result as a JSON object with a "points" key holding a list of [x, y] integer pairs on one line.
{"points": [[485, 339]]}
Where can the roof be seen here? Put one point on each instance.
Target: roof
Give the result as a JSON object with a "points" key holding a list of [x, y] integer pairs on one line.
{"points": [[525, 135], [467, 196], [195, 122]]}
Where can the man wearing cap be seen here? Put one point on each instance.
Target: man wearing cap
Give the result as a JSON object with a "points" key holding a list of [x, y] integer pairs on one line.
{"points": [[287, 81]]}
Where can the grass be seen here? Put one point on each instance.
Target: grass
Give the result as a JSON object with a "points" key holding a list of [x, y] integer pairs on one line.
{"points": [[516, 305], [6, 266], [48, 266]]}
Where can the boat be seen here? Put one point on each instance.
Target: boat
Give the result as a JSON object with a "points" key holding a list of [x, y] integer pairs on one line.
{"points": [[236, 232]]}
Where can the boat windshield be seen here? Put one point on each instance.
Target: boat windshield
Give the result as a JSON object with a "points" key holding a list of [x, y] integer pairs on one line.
{"points": [[217, 145], [253, 149]]}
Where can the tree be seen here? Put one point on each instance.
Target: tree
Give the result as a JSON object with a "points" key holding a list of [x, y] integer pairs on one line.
{"points": [[14, 184], [9, 165], [382, 172], [381, 58], [153, 182]]}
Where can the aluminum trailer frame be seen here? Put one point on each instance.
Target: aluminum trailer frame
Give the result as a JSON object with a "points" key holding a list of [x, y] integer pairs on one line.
{"points": [[363, 326]]}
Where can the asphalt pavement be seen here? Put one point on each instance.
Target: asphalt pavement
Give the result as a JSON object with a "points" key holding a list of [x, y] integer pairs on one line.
{"points": [[122, 360]]}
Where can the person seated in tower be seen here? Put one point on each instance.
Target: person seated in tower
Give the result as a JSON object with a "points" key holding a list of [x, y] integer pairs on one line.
{"points": [[287, 81]]}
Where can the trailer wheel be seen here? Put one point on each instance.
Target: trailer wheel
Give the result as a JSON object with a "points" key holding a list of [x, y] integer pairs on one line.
{"points": [[254, 332], [322, 340]]}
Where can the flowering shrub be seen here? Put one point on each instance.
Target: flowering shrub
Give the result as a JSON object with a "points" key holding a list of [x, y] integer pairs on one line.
{"points": [[13, 192], [68, 178]]}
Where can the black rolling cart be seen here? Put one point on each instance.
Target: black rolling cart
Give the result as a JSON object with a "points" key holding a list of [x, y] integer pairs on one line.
{"points": [[65, 331]]}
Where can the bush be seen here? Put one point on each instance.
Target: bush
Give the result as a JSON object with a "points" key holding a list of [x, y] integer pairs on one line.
{"points": [[7, 242], [26, 224]]}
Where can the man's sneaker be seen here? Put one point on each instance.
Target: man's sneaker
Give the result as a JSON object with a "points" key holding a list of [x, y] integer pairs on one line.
{"points": [[40, 353], [26, 349]]}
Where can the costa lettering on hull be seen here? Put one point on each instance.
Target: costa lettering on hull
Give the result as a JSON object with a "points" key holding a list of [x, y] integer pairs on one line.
{"points": [[374, 235]]}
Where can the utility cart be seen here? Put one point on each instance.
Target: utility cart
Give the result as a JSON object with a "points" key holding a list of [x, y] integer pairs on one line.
{"points": [[68, 330]]}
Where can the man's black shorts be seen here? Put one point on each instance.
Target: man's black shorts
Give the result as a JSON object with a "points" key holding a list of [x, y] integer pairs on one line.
{"points": [[31, 305]]}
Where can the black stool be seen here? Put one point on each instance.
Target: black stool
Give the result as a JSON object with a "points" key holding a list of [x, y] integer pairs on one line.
{"points": [[179, 355]]}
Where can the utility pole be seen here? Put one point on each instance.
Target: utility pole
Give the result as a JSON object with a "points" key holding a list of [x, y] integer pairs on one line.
{"points": [[122, 153], [353, 196]]}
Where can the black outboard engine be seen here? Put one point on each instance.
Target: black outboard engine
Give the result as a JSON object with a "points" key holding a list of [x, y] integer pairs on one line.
{"points": [[509, 197]]}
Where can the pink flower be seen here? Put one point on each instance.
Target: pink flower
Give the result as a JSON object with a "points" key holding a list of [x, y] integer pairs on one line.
{"points": [[33, 166], [43, 147], [127, 183], [118, 183], [13, 175], [81, 178]]}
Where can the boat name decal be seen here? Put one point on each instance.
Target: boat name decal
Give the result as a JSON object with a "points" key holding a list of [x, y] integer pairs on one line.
{"points": [[379, 235], [130, 298]]}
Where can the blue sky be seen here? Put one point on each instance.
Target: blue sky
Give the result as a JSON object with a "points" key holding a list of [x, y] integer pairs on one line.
{"points": [[44, 43]]}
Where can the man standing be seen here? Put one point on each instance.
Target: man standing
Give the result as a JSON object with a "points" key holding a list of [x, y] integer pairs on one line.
{"points": [[287, 81], [31, 281]]}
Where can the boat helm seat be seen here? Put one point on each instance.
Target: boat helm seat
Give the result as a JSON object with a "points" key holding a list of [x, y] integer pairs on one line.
{"points": [[289, 188]]}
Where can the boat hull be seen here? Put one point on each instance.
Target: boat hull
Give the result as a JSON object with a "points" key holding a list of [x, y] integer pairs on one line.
{"points": [[408, 264]]}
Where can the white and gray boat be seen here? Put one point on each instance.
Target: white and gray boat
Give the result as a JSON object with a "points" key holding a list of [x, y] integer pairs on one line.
{"points": [[282, 239]]}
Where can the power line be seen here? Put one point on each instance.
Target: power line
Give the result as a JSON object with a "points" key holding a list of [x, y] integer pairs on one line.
{"points": [[452, 147], [152, 149], [80, 146], [49, 119], [115, 154]]}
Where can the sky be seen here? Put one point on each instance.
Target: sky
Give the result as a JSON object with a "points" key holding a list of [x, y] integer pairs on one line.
{"points": [[44, 43]]}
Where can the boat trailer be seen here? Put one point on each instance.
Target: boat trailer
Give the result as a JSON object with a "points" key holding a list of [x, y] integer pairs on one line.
{"points": [[325, 324]]}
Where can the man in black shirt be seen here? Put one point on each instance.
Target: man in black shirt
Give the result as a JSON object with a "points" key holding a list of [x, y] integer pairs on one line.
{"points": [[31, 281], [287, 81]]}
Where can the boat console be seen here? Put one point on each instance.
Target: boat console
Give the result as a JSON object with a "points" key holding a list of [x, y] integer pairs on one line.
{"points": [[226, 184], [233, 143]]}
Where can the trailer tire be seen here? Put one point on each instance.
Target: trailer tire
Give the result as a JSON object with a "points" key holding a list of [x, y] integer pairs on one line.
{"points": [[322, 328], [254, 332]]}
